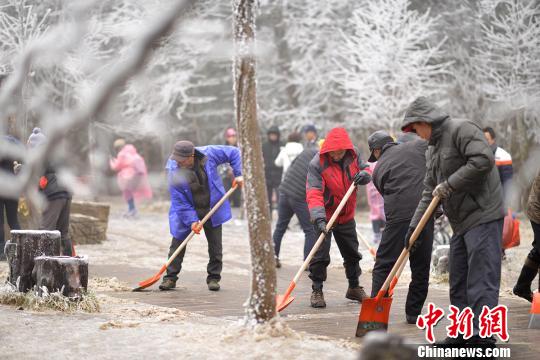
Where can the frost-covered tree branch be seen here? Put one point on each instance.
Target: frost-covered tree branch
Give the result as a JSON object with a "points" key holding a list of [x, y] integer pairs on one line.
{"points": [[60, 124]]}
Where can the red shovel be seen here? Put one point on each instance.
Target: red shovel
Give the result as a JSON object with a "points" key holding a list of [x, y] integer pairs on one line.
{"points": [[282, 301], [375, 312], [154, 279]]}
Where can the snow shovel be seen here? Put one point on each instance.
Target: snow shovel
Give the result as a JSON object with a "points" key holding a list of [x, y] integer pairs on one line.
{"points": [[282, 301], [366, 243], [374, 312], [154, 279]]}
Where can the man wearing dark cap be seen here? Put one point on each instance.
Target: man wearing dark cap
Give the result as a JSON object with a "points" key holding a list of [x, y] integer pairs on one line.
{"points": [[311, 137], [461, 171], [195, 187], [399, 176]]}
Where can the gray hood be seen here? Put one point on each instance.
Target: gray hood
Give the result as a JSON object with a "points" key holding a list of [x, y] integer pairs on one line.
{"points": [[422, 110]]}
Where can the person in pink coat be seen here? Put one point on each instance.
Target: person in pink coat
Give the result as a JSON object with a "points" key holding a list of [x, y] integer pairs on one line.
{"points": [[376, 208], [132, 175]]}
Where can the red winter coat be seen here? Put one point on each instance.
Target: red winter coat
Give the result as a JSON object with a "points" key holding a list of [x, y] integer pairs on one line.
{"points": [[328, 181]]}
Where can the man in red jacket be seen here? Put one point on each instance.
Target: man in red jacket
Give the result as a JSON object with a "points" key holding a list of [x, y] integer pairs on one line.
{"points": [[330, 174]]}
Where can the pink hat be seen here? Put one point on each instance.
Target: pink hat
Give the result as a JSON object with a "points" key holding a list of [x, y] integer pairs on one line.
{"points": [[230, 132]]}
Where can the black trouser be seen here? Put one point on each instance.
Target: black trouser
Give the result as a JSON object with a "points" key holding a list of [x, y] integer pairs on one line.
{"points": [[287, 208], [56, 217], [391, 246], [347, 242], [215, 253], [475, 268], [270, 187], [534, 254], [11, 207]]}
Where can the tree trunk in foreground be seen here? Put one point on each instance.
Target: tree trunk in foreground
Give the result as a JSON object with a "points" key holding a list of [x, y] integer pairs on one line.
{"points": [[261, 305]]}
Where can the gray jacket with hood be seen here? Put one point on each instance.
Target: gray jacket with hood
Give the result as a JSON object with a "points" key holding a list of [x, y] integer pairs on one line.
{"points": [[457, 153]]}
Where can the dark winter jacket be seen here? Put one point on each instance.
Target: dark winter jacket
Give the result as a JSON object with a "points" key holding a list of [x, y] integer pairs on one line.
{"points": [[183, 210], [533, 205], [271, 149], [458, 153], [399, 176], [294, 181], [328, 181], [49, 185]]}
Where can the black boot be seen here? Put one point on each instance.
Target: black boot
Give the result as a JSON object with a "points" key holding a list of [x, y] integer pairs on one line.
{"points": [[523, 285]]}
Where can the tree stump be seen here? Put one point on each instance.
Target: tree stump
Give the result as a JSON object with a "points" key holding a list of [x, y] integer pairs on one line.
{"points": [[97, 210], [61, 273], [24, 246], [86, 229]]}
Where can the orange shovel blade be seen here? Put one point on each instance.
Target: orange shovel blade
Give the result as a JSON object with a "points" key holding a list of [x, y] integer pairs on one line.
{"points": [[374, 315], [151, 281], [282, 302]]}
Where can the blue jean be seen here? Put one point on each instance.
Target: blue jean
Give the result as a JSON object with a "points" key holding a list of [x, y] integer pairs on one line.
{"points": [[287, 208]]}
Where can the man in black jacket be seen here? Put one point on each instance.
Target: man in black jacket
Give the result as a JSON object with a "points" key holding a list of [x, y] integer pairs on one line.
{"points": [[398, 177], [272, 173], [461, 171], [292, 201], [58, 208]]}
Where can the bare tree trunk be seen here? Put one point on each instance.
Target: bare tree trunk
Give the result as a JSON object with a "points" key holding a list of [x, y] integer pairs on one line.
{"points": [[261, 305]]}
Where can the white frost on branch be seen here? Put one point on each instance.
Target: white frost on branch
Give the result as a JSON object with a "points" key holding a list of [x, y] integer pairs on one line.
{"points": [[385, 59]]}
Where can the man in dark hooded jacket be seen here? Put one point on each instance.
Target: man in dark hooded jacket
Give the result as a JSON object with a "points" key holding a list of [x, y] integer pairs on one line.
{"points": [[460, 169], [398, 177], [272, 173], [330, 174]]}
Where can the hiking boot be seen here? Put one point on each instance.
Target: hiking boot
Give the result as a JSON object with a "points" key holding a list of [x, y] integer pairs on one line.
{"points": [[356, 293], [523, 292], [213, 285], [317, 299], [411, 319], [167, 284], [524, 281], [278, 263]]}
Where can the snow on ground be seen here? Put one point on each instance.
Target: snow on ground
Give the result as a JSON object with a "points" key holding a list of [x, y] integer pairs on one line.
{"points": [[127, 330]]}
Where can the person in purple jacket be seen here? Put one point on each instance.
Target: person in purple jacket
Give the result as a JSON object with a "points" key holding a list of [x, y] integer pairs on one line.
{"points": [[195, 187]]}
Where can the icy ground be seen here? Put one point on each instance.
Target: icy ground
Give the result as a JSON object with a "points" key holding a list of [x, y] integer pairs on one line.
{"points": [[126, 329]]}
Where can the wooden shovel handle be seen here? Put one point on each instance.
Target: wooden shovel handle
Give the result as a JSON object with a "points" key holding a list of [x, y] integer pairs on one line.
{"points": [[402, 259], [321, 238]]}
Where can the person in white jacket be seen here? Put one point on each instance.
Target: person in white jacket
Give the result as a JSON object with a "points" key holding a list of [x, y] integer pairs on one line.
{"points": [[289, 152]]}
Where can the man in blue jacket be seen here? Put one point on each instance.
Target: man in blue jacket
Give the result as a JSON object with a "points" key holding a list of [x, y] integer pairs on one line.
{"points": [[195, 187]]}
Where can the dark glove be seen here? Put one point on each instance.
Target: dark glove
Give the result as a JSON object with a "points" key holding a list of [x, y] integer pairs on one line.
{"points": [[362, 178], [408, 239], [320, 225], [443, 190]]}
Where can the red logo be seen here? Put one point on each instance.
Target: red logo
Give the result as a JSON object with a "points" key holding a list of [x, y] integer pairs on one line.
{"points": [[428, 321], [491, 322]]}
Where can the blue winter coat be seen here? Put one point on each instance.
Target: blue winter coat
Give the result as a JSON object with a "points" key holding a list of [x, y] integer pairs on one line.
{"points": [[182, 212]]}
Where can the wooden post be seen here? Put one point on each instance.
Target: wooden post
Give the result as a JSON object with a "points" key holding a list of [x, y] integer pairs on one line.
{"points": [[24, 246], [61, 273]]}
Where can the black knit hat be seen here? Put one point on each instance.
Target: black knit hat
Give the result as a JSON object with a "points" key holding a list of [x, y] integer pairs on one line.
{"points": [[183, 150]]}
